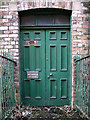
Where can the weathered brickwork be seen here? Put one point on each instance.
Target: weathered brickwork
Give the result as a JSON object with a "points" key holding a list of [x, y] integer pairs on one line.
{"points": [[9, 28]]}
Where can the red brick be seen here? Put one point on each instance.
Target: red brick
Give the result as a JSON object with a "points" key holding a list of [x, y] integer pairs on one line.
{"points": [[77, 18], [83, 37], [8, 31], [8, 16], [85, 26], [80, 29], [13, 50], [4, 20], [76, 48], [4, 13], [13, 13], [7, 24]]}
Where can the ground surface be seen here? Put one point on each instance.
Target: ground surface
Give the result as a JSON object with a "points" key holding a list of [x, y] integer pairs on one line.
{"points": [[56, 113]]}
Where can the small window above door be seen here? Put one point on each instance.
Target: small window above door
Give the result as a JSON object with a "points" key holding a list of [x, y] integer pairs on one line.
{"points": [[61, 19], [28, 20], [42, 18]]}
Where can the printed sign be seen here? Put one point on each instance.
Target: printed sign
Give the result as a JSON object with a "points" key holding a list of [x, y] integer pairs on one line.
{"points": [[32, 42], [32, 74]]}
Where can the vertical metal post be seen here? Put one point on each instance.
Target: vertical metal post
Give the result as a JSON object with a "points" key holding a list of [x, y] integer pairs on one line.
{"points": [[7, 98], [89, 86], [1, 86], [83, 84], [13, 84]]}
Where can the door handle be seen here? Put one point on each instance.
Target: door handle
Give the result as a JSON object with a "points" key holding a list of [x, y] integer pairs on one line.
{"points": [[51, 74]]}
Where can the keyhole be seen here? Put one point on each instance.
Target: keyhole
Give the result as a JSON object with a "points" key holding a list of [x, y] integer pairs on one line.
{"points": [[47, 59]]}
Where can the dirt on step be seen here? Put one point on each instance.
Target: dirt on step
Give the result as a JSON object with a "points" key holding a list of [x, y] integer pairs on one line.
{"points": [[45, 113]]}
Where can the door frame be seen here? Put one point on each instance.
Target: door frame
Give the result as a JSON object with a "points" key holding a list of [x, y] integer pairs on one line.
{"points": [[44, 27]]}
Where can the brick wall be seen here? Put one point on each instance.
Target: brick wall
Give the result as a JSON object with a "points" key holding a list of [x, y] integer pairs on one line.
{"points": [[9, 29], [80, 36]]}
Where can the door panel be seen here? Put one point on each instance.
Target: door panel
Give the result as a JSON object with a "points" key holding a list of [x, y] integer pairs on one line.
{"points": [[63, 57], [57, 61], [53, 60], [34, 61], [47, 53]]}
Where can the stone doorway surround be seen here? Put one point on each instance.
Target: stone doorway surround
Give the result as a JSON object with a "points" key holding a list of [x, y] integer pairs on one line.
{"points": [[9, 28]]}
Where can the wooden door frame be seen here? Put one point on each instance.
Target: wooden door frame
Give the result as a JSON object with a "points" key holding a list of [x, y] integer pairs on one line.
{"points": [[44, 27]]}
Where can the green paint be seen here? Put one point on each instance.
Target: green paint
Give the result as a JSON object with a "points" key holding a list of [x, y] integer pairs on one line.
{"points": [[52, 86], [44, 27], [33, 90], [45, 11], [7, 89], [82, 84], [70, 62]]}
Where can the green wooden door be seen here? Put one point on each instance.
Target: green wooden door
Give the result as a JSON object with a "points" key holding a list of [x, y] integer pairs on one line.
{"points": [[45, 71], [57, 70], [33, 61]]}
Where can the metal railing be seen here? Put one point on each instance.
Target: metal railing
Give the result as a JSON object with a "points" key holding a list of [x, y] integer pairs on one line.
{"points": [[7, 89], [83, 84]]}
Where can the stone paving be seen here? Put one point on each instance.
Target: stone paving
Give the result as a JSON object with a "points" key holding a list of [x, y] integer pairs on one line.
{"points": [[56, 113]]}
